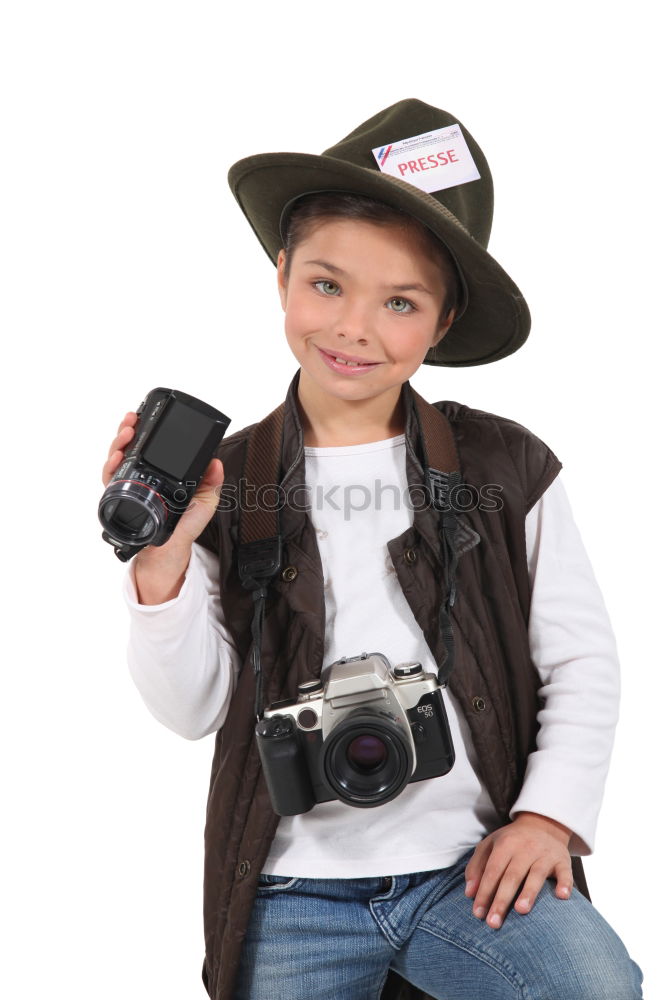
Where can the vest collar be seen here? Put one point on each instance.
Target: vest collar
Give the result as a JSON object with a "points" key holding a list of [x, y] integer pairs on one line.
{"points": [[426, 519]]}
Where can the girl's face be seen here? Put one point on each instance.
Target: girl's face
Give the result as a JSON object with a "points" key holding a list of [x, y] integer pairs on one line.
{"points": [[360, 291]]}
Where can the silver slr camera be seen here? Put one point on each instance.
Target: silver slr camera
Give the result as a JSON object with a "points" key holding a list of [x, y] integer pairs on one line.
{"points": [[359, 734]]}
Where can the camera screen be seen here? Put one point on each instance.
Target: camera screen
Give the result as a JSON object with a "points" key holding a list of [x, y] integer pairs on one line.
{"points": [[179, 435]]}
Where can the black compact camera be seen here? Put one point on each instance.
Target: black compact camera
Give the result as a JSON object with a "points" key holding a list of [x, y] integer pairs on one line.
{"points": [[360, 734], [174, 440]]}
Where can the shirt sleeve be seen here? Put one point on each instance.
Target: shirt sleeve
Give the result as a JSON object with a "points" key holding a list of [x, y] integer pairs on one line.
{"points": [[573, 648], [181, 658]]}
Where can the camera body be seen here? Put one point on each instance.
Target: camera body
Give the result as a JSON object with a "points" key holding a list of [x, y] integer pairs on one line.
{"points": [[174, 440], [360, 734]]}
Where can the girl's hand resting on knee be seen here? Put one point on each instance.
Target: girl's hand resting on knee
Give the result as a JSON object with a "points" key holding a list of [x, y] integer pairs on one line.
{"points": [[531, 849]]}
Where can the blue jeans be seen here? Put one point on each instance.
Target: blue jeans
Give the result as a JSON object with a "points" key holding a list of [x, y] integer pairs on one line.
{"points": [[336, 939]]}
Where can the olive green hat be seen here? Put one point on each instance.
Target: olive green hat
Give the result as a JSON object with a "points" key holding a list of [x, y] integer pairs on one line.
{"points": [[494, 320]]}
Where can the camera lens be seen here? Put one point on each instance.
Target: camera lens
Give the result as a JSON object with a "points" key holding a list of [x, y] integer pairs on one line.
{"points": [[366, 753], [132, 513], [367, 759]]}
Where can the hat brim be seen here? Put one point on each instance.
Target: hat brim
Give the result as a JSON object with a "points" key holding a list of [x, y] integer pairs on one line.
{"points": [[496, 321]]}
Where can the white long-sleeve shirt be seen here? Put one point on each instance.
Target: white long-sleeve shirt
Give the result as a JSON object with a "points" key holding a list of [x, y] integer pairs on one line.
{"points": [[184, 664]]}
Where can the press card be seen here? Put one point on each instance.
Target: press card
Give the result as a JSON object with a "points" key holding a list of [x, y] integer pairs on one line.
{"points": [[431, 161]]}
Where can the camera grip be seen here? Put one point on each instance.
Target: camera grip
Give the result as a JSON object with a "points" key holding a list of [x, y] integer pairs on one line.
{"points": [[283, 765]]}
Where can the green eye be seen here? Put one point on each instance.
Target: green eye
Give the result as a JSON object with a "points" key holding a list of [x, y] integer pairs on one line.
{"points": [[400, 305], [327, 287]]}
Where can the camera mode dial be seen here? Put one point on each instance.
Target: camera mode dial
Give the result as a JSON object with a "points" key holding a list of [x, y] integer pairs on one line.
{"points": [[310, 689], [409, 669]]}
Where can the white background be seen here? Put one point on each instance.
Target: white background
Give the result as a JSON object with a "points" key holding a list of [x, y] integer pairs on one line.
{"points": [[126, 264]]}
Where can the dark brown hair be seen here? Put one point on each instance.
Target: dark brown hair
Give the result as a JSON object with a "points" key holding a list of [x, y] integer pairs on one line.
{"points": [[311, 209]]}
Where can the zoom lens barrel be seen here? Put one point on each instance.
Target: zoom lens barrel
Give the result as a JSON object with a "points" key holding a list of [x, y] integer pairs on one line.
{"points": [[132, 513], [367, 759]]}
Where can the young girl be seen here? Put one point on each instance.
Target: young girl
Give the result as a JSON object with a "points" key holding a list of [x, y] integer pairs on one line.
{"points": [[464, 885]]}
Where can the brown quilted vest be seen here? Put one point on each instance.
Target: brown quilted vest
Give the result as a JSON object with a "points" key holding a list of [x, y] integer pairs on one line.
{"points": [[494, 679]]}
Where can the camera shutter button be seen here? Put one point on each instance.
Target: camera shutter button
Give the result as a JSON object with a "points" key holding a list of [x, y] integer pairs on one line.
{"points": [[275, 726], [283, 725]]}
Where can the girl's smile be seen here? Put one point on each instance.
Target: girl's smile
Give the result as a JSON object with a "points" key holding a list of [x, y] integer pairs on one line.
{"points": [[346, 365]]}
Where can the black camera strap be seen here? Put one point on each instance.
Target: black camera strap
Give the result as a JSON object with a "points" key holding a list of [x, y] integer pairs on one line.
{"points": [[260, 541], [259, 538], [442, 474]]}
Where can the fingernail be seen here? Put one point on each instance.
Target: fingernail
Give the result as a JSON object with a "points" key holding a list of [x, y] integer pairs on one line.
{"points": [[524, 901], [468, 887], [480, 911], [495, 920], [565, 890]]}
